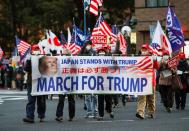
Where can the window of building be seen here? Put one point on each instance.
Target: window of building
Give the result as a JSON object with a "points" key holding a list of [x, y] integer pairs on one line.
{"points": [[156, 3], [163, 2], [151, 3]]}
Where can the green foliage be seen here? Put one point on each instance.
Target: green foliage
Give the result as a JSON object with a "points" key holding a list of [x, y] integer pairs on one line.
{"points": [[26, 17]]}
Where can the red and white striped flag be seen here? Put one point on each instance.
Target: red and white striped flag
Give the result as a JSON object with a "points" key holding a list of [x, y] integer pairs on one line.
{"points": [[22, 46], [73, 48], [108, 31], [123, 43], [94, 6], [1, 53], [102, 28], [143, 66]]}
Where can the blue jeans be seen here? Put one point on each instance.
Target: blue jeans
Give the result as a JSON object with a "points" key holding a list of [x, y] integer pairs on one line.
{"points": [[91, 103], [30, 107]]}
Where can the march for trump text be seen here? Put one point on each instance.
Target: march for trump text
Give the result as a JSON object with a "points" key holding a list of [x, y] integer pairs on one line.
{"points": [[92, 75]]}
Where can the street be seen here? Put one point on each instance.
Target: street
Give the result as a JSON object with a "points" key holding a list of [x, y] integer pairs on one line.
{"points": [[13, 103]]}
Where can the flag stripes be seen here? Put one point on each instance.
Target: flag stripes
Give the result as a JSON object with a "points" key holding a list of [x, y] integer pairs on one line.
{"points": [[22, 46], [94, 6]]}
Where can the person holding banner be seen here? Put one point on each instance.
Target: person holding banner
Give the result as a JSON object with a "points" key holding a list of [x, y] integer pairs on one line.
{"points": [[90, 100], [147, 101], [41, 100], [60, 106], [107, 98], [165, 87]]}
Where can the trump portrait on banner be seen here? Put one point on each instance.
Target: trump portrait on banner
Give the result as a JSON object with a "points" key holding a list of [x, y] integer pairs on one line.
{"points": [[48, 66]]}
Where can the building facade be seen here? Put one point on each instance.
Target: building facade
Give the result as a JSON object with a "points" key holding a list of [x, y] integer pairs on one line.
{"points": [[148, 12]]}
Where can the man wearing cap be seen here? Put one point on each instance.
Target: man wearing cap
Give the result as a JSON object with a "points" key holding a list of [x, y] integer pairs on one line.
{"points": [[105, 51], [180, 94], [146, 101]]}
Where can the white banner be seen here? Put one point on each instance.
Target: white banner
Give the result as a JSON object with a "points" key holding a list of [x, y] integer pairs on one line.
{"points": [[91, 75]]}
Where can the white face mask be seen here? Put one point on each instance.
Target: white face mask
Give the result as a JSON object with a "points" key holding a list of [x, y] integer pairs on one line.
{"points": [[145, 53], [88, 47], [102, 53], [36, 52], [166, 57]]}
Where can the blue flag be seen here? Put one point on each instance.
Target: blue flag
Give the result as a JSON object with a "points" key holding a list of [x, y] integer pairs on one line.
{"points": [[62, 38], [115, 29], [175, 34], [78, 36]]}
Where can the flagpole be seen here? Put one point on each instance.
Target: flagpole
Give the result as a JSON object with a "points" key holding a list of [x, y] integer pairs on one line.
{"points": [[85, 20]]}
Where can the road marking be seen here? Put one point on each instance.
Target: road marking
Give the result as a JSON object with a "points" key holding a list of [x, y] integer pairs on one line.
{"points": [[108, 121], [18, 98], [3, 92], [124, 120], [1, 101], [185, 118], [13, 98], [99, 121]]}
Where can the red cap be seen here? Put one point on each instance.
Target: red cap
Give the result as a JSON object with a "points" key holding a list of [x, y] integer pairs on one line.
{"points": [[146, 46], [35, 47], [165, 52], [181, 55]]}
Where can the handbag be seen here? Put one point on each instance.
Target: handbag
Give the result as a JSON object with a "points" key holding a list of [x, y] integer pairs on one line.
{"points": [[176, 82]]}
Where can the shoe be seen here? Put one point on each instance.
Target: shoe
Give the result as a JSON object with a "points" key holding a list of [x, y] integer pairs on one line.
{"points": [[70, 119], [59, 119], [41, 120], [169, 110], [28, 120], [88, 115], [116, 106], [151, 116], [100, 118], [112, 115], [139, 116], [95, 116]]}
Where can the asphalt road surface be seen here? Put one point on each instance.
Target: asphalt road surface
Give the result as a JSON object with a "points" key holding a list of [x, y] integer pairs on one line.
{"points": [[12, 110]]}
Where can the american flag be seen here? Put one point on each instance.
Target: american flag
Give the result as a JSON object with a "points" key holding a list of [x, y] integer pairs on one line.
{"points": [[1, 53], [144, 66], [120, 37], [94, 6], [102, 28], [123, 43], [22, 46], [72, 46]]}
